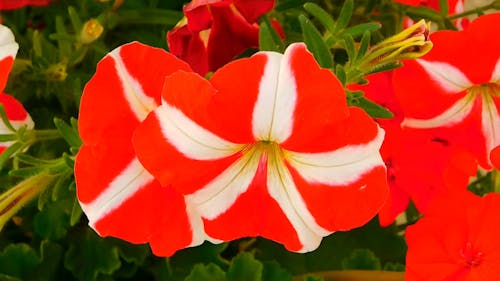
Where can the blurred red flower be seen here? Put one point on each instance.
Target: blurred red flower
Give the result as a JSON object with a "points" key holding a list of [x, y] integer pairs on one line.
{"points": [[452, 93], [14, 110], [216, 31], [456, 240], [17, 4]]}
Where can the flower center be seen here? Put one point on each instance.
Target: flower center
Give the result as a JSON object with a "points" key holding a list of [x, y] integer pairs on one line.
{"points": [[471, 257], [486, 90]]}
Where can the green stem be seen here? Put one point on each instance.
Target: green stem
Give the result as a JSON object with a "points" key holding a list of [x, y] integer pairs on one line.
{"points": [[43, 135], [356, 275], [492, 5]]}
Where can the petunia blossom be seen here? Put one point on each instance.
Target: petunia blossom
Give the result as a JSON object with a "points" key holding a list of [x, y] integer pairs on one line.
{"points": [[216, 31], [456, 240], [453, 90], [406, 153], [267, 147], [119, 197], [14, 110], [17, 4]]}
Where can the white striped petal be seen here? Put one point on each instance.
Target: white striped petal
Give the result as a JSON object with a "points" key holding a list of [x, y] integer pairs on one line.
{"points": [[490, 121], [140, 103], [495, 76], [189, 138], [453, 115], [221, 193], [341, 166], [124, 186], [281, 188], [8, 45], [450, 78], [272, 118]]}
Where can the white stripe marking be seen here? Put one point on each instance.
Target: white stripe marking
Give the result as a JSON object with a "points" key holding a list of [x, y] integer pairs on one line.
{"points": [[221, 193], [189, 138], [8, 45], [273, 114], [453, 115], [125, 185], [490, 123], [281, 188], [450, 78], [140, 103], [341, 166], [495, 76]]}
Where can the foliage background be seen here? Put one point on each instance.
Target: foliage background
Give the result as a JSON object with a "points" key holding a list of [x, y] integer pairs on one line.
{"points": [[49, 238]]}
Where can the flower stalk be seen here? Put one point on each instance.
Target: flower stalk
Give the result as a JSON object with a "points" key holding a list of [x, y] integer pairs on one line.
{"points": [[16, 197]]}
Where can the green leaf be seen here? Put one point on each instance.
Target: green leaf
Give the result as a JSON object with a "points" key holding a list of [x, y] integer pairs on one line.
{"points": [[341, 74], [132, 253], [5, 119], [6, 154], [18, 259], [181, 263], [315, 43], [444, 7], [89, 256], [344, 16], [68, 133], [245, 267], [269, 39], [424, 12], [210, 272], [63, 40], [323, 16], [364, 45], [76, 213], [373, 109], [360, 29], [361, 259], [273, 271], [51, 256], [53, 221], [76, 22], [349, 46]]}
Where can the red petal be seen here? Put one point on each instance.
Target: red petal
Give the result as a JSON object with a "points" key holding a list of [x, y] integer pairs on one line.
{"points": [[16, 4], [262, 216], [114, 189], [321, 106], [190, 47], [252, 9], [147, 68], [230, 35], [191, 94], [13, 108]]}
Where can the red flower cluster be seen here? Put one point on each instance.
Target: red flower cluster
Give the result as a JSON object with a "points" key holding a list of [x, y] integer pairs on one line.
{"points": [[446, 110], [14, 110], [267, 146], [17, 4], [216, 31]]}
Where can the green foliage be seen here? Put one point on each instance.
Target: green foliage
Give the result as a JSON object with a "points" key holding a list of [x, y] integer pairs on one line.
{"points": [[49, 239]]}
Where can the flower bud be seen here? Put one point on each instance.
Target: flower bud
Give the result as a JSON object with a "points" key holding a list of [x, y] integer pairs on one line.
{"points": [[411, 43], [91, 31]]}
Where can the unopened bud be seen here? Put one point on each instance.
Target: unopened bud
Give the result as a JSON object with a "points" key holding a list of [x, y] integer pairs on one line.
{"points": [[91, 30], [411, 43]]}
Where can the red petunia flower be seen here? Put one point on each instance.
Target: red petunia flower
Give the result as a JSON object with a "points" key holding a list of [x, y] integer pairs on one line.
{"points": [[17, 4], [216, 31], [457, 240], [15, 111], [267, 147], [406, 153], [454, 92], [119, 197]]}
